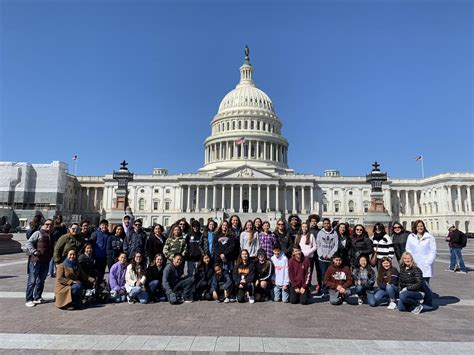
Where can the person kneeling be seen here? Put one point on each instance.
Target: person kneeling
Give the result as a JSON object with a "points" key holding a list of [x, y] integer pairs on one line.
{"points": [[411, 284], [135, 280], [154, 278], [364, 280], [118, 293], [263, 276], [243, 277], [338, 280], [299, 273], [69, 279], [203, 278], [221, 285], [176, 285], [387, 280]]}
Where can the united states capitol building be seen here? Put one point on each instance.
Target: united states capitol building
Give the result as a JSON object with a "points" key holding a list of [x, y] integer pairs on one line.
{"points": [[245, 171]]}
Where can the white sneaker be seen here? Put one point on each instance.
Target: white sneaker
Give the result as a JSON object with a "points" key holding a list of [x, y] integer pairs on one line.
{"points": [[360, 301], [30, 304], [38, 301], [392, 305], [417, 309], [462, 272], [251, 300], [226, 300]]}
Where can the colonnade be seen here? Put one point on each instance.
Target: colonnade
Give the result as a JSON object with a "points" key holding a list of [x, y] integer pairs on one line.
{"points": [[442, 199], [251, 149], [247, 197]]}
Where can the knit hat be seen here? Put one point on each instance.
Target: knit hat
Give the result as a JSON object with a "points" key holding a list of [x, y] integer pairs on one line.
{"points": [[261, 252]]}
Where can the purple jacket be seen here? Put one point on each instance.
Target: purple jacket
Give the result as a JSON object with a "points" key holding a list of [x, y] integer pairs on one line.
{"points": [[117, 277]]}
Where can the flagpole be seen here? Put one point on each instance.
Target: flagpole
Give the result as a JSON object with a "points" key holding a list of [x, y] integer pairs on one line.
{"points": [[423, 167]]}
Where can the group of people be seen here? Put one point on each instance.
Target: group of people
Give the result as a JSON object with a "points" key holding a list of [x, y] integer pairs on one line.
{"points": [[235, 262]]}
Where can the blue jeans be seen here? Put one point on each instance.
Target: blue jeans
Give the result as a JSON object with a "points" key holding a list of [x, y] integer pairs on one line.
{"points": [[409, 300], [428, 299], [280, 293], [387, 294], [456, 255], [359, 290], [118, 297], [37, 272], [137, 292], [76, 293], [52, 268], [191, 265], [324, 265]]}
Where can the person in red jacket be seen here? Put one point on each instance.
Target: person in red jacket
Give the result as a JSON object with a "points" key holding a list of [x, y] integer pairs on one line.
{"points": [[338, 279], [299, 273]]}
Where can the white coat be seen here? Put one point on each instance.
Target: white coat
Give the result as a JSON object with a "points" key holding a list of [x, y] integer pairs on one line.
{"points": [[423, 251]]}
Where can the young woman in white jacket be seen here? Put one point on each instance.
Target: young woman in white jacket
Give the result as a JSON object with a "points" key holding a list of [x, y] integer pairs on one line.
{"points": [[422, 245], [135, 280]]}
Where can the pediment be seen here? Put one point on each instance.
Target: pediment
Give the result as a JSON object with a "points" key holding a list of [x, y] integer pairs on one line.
{"points": [[245, 172]]}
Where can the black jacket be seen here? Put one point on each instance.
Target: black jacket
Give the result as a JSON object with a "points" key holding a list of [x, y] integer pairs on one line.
{"points": [[345, 250], [360, 246], [155, 273], [154, 245], [225, 245], [193, 240], [245, 272], [284, 240], [87, 264], [114, 247], [456, 239], [204, 274], [411, 278], [399, 242]]}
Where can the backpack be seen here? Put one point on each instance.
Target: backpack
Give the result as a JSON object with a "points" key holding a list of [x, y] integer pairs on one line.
{"points": [[463, 240]]}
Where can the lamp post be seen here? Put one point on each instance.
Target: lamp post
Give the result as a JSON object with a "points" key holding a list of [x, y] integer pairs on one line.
{"points": [[123, 176]]}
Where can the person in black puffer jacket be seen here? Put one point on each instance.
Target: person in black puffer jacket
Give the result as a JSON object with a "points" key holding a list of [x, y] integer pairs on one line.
{"points": [[399, 239], [360, 245], [411, 285]]}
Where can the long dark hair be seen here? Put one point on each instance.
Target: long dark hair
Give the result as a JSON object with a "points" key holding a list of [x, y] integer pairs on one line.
{"points": [[382, 271], [137, 268], [239, 225], [300, 234], [239, 259], [114, 231], [364, 232]]}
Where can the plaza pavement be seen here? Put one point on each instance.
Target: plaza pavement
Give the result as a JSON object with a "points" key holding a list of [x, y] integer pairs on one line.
{"points": [[266, 327]]}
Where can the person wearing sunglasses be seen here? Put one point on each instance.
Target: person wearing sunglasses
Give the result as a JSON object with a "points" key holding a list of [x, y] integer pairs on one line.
{"points": [[399, 239], [40, 248], [135, 241]]}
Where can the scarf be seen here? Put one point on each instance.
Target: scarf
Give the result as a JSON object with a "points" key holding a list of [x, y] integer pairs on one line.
{"points": [[71, 263]]}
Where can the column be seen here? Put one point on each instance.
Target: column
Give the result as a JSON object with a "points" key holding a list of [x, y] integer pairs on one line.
{"points": [[417, 205], [188, 206], [268, 197], [459, 199], [250, 198], [205, 197], [398, 201], [232, 198], [222, 197], [242, 151], [450, 199], [197, 209], [88, 196], [469, 201], [241, 207], [234, 147], [259, 206], [407, 203], [388, 202], [258, 150], [264, 150], [271, 151], [286, 199], [311, 198], [214, 192], [294, 199], [303, 209], [277, 198]]}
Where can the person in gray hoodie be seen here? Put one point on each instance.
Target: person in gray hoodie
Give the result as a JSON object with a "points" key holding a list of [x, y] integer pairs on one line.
{"points": [[326, 246]]}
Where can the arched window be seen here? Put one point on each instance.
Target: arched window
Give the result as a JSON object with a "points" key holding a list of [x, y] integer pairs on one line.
{"points": [[351, 206], [141, 204]]}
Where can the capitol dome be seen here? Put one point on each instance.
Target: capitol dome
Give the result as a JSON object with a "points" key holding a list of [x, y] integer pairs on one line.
{"points": [[246, 130]]}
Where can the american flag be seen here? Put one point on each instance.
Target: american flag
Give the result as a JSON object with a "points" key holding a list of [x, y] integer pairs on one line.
{"points": [[74, 157], [241, 140], [419, 157]]}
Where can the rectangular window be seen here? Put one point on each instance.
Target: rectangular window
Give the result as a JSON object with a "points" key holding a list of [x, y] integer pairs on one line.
{"points": [[156, 191], [166, 221], [336, 207], [155, 205], [325, 207], [168, 191], [167, 205]]}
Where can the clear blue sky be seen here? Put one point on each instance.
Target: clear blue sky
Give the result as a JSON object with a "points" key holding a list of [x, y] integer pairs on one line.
{"points": [[352, 81]]}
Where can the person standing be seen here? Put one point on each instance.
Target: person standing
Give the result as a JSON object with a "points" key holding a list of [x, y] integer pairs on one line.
{"points": [[115, 245], [326, 245], [72, 240], [99, 240], [457, 241], [59, 229], [249, 240], [399, 239], [40, 248], [422, 245], [313, 221], [155, 243], [266, 240], [383, 246], [135, 241]]}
